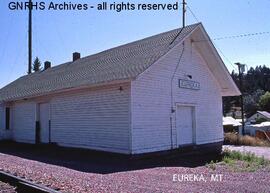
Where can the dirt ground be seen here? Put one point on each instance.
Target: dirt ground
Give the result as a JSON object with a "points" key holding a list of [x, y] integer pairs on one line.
{"points": [[86, 172]]}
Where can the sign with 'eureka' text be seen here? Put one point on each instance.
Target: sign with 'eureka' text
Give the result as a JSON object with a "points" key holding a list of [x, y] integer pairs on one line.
{"points": [[189, 84]]}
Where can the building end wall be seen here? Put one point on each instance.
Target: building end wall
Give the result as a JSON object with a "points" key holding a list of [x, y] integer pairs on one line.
{"points": [[152, 115]]}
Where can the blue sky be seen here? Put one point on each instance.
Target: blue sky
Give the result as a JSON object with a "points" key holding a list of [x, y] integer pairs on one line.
{"points": [[57, 34]]}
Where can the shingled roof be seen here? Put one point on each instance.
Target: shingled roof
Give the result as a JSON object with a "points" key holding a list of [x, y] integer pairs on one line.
{"points": [[265, 114], [120, 63]]}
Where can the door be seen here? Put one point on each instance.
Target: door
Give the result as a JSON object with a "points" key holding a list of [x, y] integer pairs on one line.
{"points": [[185, 125], [44, 114]]}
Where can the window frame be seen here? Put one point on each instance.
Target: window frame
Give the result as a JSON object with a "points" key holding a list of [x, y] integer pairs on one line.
{"points": [[7, 117]]}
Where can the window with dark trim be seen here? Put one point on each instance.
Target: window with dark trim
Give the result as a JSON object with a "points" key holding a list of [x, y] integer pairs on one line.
{"points": [[7, 118]]}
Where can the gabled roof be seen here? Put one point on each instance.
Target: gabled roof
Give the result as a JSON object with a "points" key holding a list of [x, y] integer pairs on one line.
{"points": [[204, 45], [230, 121], [120, 63], [265, 114]]}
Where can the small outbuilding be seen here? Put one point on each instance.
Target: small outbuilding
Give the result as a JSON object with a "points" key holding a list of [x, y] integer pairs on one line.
{"points": [[259, 117], [160, 93], [230, 124]]}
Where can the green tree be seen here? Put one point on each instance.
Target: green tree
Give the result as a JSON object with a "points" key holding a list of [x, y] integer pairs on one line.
{"points": [[37, 65], [265, 102], [251, 102], [255, 81]]}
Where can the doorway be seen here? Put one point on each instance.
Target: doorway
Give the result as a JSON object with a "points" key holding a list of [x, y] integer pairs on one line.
{"points": [[185, 125], [44, 118]]}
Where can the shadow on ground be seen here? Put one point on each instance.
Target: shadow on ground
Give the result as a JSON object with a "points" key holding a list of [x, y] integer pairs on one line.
{"points": [[103, 163]]}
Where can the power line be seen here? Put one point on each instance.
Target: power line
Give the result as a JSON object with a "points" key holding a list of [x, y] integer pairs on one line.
{"points": [[220, 51], [237, 36], [192, 13], [229, 37], [224, 56], [30, 38], [242, 35]]}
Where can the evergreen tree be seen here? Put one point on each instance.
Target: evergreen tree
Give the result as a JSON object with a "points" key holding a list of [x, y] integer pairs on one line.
{"points": [[37, 65], [251, 102], [255, 83], [265, 102]]}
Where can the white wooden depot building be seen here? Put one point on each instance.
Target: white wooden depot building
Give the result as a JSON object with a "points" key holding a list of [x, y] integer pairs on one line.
{"points": [[160, 93]]}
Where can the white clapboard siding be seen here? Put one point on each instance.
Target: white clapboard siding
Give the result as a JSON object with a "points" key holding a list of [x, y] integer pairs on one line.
{"points": [[23, 116], [151, 102], [4, 134], [2, 121], [2, 117], [98, 119], [207, 101]]}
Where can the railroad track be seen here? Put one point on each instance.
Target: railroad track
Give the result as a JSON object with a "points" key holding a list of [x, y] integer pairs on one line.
{"points": [[24, 186]]}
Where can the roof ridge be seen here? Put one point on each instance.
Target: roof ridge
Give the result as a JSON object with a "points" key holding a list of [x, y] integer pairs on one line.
{"points": [[143, 39], [121, 62], [125, 44]]}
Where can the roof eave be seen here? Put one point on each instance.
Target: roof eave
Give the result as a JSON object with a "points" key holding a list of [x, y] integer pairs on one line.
{"points": [[67, 90], [231, 89]]}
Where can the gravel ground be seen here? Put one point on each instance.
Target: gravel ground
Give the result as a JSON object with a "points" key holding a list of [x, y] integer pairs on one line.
{"points": [[157, 179], [258, 151], [6, 188]]}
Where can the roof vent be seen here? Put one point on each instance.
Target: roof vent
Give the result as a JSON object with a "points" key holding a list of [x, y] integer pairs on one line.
{"points": [[47, 65], [76, 56]]}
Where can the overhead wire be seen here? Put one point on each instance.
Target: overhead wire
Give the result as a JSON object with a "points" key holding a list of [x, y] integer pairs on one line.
{"points": [[237, 36], [194, 16], [220, 51], [224, 56], [192, 13]]}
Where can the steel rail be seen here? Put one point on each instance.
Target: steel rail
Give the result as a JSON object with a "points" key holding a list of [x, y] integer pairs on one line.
{"points": [[23, 185]]}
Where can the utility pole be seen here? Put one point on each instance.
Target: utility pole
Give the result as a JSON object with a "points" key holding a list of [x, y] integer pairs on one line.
{"points": [[30, 38], [241, 70], [184, 13]]}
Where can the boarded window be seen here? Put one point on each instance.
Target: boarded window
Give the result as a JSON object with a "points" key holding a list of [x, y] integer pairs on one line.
{"points": [[7, 118]]}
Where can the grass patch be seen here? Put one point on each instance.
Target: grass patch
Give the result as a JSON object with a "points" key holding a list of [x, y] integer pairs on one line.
{"points": [[212, 165], [235, 139], [240, 162], [244, 161]]}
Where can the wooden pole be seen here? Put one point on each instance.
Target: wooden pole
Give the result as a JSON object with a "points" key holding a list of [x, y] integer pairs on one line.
{"points": [[240, 70], [184, 13], [30, 38]]}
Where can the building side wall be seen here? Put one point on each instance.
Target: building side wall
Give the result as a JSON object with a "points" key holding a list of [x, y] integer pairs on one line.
{"points": [[23, 119], [95, 119], [2, 117], [152, 96], [4, 134], [2, 122]]}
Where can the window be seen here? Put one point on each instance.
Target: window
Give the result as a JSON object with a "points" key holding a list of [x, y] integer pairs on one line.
{"points": [[7, 118]]}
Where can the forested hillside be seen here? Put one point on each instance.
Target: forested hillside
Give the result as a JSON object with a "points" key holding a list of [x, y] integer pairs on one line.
{"points": [[256, 87]]}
